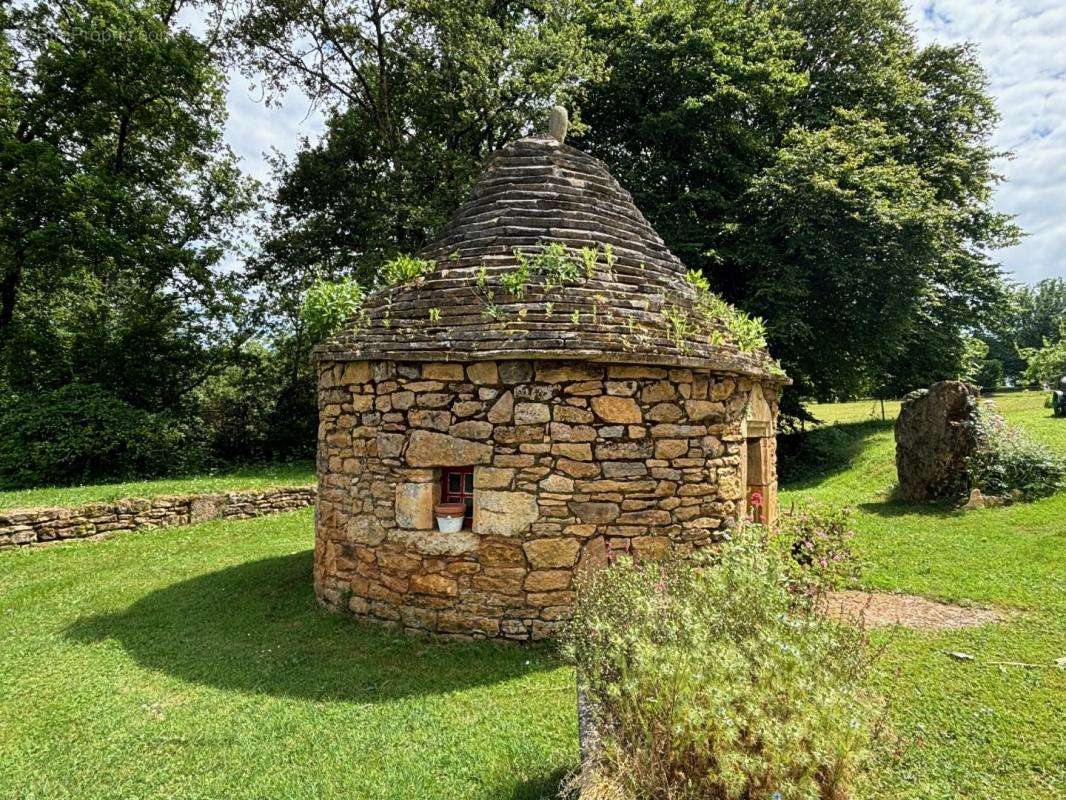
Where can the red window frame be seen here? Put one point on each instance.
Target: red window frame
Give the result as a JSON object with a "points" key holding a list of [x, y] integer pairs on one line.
{"points": [[457, 486]]}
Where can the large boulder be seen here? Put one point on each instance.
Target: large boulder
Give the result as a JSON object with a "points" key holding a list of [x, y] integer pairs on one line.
{"points": [[934, 437]]}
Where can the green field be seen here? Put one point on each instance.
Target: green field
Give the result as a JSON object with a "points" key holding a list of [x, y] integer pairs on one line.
{"points": [[194, 663], [962, 729], [261, 477]]}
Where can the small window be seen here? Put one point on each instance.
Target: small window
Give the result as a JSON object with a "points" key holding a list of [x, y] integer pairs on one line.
{"points": [[457, 486]]}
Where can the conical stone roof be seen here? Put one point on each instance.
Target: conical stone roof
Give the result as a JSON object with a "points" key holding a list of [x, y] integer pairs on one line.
{"points": [[633, 306]]}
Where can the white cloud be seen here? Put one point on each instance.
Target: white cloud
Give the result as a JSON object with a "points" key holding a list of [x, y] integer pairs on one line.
{"points": [[1022, 45], [255, 129]]}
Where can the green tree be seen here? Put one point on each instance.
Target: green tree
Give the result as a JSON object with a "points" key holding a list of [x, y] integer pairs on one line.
{"points": [[118, 200], [1032, 316], [820, 168], [416, 94], [1046, 364]]}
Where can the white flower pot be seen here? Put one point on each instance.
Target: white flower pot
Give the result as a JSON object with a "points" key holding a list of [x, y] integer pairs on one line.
{"points": [[449, 524]]}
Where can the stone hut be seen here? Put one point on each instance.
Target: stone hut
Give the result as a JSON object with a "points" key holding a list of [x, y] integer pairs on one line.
{"points": [[554, 370]]}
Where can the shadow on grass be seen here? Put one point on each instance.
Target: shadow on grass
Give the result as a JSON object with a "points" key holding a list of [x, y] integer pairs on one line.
{"points": [[807, 458], [903, 508], [543, 787], [257, 628]]}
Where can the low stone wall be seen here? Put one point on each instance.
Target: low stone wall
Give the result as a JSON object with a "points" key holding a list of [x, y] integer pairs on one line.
{"points": [[40, 525]]}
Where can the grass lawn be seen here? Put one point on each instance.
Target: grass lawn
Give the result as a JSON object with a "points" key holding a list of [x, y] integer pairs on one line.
{"points": [[261, 477], [193, 663], [963, 729]]}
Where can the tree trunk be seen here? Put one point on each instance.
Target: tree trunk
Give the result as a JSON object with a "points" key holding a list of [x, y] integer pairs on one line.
{"points": [[9, 291]]}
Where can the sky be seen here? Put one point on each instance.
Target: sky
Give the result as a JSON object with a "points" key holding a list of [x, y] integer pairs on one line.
{"points": [[1021, 43]]}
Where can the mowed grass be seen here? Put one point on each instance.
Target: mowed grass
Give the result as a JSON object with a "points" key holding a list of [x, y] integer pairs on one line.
{"points": [[301, 473], [194, 663], [973, 729]]}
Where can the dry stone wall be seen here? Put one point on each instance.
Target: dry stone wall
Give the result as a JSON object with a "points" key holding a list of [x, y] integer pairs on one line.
{"points": [[40, 525], [571, 461]]}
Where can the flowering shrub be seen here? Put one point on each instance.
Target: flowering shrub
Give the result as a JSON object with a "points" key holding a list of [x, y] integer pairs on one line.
{"points": [[816, 543], [710, 682], [1006, 460]]}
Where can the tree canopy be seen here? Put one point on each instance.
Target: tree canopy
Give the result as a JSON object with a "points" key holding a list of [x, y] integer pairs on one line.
{"points": [[823, 170], [809, 158], [118, 201], [1032, 316]]}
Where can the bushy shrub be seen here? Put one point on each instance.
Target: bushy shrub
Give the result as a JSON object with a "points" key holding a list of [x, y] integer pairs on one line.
{"points": [[1006, 460], [990, 376], [711, 682], [81, 433], [815, 542], [405, 269], [263, 407], [327, 305]]}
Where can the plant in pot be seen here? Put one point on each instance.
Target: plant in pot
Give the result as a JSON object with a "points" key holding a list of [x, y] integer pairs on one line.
{"points": [[450, 517]]}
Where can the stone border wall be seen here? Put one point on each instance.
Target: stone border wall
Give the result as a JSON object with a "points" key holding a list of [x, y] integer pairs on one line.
{"points": [[41, 525]]}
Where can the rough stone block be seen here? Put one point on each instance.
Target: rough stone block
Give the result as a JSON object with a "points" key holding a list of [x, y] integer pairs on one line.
{"points": [[503, 409], [442, 372], [414, 505], [552, 553], [432, 449], [619, 410], [434, 584], [513, 372], [531, 413], [483, 372], [205, 507], [595, 512], [499, 513]]}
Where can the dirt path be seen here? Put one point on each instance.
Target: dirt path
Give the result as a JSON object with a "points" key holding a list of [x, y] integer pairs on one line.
{"points": [[879, 609]]}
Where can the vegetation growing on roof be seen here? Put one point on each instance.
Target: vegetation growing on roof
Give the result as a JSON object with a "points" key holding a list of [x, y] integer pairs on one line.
{"points": [[730, 324], [328, 305], [404, 269], [552, 265]]}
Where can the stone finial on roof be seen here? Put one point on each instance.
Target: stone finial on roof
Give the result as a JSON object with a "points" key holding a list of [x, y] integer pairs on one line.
{"points": [[558, 123]]}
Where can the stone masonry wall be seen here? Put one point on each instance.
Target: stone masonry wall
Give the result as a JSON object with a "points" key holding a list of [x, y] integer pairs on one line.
{"points": [[570, 461], [39, 525]]}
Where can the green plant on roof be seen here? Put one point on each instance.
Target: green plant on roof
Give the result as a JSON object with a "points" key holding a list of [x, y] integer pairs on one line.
{"points": [[590, 257], [434, 315], [516, 280], [724, 323], [328, 305], [555, 263], [548, 308], [405, 269], [678, 325], [698, 281], [609, 257], [575, 316]]}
